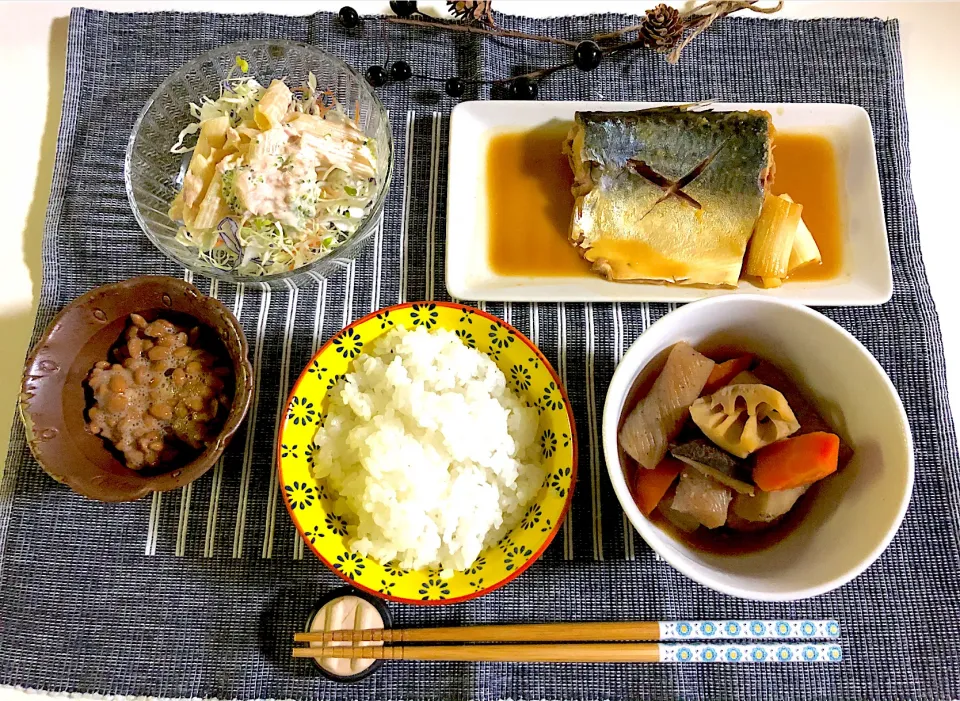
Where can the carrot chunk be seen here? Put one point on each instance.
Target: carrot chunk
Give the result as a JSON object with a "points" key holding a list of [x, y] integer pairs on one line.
{"points": [[796, 461], [649, 486], [723, 373]]}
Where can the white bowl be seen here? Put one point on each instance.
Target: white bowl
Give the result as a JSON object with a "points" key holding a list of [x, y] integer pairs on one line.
{"points": [[856, 512]]}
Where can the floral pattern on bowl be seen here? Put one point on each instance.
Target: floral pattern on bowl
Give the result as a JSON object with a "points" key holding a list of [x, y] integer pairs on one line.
{"points": [[311, 503]]}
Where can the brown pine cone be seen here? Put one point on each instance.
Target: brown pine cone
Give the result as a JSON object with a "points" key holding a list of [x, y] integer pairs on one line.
{"points": [[662, 28], [477, 11]]}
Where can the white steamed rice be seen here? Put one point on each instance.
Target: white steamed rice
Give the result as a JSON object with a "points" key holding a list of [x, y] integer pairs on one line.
{"points": [[432, 456]]}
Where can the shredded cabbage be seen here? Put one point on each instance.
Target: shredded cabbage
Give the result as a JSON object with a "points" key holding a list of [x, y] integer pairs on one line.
{"points": [[238, 98]]}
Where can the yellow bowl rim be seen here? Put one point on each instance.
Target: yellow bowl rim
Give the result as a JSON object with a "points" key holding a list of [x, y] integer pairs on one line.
{"points": [[573, 468]]}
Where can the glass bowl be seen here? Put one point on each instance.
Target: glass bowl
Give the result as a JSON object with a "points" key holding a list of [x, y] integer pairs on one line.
{"points": [[152, 174]]}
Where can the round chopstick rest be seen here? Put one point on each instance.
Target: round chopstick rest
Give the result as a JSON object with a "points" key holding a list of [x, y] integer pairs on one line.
{"points": [[347, 609]]}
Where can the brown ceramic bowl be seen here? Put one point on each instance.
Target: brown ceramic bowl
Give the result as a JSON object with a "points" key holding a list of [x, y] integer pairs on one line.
{"points": [[53, 399]]}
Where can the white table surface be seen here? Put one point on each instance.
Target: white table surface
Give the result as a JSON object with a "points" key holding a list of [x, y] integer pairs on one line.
{"points": [[32, 46]]}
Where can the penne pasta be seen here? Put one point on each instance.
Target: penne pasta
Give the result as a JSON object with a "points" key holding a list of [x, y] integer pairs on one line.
{"points": [[318, 126], [213, 135], [198, 175], [201, 171], [273, 105], [234, 139], [192, 189], [212, 209], [247, 133], [267, 144], [176, 207], [189, 215]]}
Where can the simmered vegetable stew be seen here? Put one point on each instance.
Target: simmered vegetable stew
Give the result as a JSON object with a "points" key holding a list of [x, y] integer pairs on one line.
{"points": [[722, 454]]}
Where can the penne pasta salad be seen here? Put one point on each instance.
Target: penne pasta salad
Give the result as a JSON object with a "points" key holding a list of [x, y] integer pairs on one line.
{"points": [[277, 179]]}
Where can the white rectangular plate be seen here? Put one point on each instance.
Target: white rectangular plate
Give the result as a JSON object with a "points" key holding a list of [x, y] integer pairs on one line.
{"points": [[866, 277]]}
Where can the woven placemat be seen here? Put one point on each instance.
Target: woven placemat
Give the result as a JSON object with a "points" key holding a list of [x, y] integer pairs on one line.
{"points": [[171, 596]]}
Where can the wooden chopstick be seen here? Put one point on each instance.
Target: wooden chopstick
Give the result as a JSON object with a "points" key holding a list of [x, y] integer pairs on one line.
{"points": [[519, 632], [613, 631], [724, 641], [574, 652], [712, 653]]}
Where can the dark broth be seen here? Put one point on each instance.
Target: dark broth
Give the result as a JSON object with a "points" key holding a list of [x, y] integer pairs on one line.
{"points": [[529, 181], [807, 171], [723, 540], [727, 541]]}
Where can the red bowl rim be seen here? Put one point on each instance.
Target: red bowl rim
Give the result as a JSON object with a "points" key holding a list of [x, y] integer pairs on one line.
{"points": [[573, 469]]}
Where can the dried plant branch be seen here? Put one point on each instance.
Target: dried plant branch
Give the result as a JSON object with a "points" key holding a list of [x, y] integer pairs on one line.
{"points": [[709, 10], [722, 8], [692, 23], [610, 50], [599, 38], [532, 75], [471, 29], [702, 16]]}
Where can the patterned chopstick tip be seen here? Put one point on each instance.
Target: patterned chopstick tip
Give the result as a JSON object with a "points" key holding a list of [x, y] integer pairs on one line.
{"points": [[750, 630], [738, 653]]}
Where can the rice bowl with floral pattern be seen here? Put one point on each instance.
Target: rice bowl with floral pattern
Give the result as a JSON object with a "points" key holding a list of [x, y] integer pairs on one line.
{"points": [[314, 505]]}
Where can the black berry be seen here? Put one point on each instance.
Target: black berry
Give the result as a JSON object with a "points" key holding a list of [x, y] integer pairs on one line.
{"points": [[400, 70], [454, 87], [587, 55], [349, 17], [523, 89], [403, 9], [376, 76]]}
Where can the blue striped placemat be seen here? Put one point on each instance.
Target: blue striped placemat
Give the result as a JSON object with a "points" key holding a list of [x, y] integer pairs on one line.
{"points": [[196, 593]]}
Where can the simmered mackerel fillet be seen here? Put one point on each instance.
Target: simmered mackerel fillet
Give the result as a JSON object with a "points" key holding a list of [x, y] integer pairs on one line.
{"points": [[668, 194]]}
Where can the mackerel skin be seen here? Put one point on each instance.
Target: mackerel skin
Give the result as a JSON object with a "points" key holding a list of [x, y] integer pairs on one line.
{"points": [[623, 223]]}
